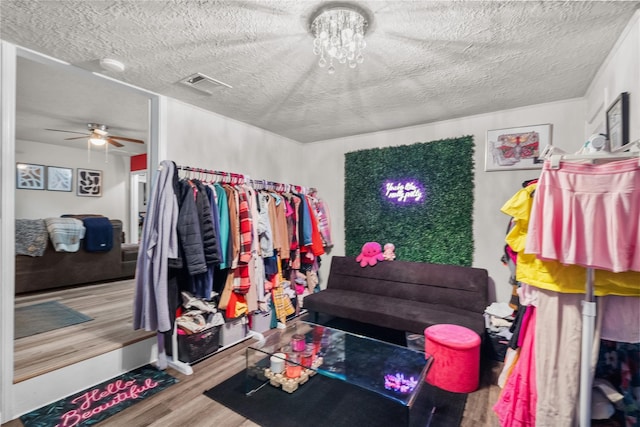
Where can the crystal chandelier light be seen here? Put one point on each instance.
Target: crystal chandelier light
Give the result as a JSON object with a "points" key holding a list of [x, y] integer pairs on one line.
{"points": [[339, 36]]}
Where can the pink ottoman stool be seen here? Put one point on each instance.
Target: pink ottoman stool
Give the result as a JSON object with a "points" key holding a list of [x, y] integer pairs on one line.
{"points": [[456, 357]]}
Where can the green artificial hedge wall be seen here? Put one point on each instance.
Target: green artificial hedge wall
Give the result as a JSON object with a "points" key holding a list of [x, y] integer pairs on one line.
{"points": [[438, 229]]}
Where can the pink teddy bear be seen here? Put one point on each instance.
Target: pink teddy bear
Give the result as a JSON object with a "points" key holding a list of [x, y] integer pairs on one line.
{"points": [[371, 254]]}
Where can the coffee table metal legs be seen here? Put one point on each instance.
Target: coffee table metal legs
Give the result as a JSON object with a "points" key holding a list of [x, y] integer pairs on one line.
{"points": [[433, 412]]}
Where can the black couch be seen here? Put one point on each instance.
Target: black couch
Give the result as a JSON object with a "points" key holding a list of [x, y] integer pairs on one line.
{"points": [[402, 295]]}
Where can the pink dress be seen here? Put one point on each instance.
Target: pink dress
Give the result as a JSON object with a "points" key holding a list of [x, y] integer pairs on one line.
{"points": [[516, 406]]}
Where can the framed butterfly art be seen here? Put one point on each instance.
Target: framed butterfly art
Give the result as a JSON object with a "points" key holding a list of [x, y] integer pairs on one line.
{"points": [[516, 148]]}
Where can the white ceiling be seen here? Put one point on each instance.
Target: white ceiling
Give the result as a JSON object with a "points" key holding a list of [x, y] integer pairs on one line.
{"points": [[50, 97], [425, 61]]}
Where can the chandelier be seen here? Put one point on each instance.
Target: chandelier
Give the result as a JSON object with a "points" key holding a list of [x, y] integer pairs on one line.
{"points": [[339, 36]]}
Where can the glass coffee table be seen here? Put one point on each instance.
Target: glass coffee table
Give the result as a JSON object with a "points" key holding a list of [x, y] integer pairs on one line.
{"points": [[290, 358]]}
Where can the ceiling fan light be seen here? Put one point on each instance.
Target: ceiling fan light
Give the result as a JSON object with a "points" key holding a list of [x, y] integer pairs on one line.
{"points": [[97, 141]]}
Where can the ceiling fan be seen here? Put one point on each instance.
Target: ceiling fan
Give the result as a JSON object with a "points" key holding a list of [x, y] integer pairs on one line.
{"points": [[98, 135]]}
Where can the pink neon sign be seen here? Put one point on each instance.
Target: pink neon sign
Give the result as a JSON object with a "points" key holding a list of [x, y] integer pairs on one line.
{"points": [[399, 383]]}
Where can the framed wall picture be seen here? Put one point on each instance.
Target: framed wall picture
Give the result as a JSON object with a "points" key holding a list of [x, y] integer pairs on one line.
{"points": [[59, 179], [89, 183], [516, 148], [29, 176], [618, 121]]}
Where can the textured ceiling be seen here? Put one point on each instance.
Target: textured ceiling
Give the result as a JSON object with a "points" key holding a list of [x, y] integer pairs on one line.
{"points": [[425, 61]]}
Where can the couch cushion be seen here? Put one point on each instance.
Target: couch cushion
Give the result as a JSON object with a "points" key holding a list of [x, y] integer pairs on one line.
{"points": [[395, 313], [447, 285], [129, 252]]}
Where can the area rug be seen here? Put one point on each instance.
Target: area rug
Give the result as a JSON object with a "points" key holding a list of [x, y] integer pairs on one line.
{"points": [[44, 317], [325, 402], [98, 403]]}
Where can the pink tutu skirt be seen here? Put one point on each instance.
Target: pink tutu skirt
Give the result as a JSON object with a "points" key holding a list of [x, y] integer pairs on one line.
{"points": [[588, 215]]}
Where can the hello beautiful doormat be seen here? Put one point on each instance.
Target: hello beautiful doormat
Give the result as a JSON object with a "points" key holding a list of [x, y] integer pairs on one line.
{"points": [[98, 403]]}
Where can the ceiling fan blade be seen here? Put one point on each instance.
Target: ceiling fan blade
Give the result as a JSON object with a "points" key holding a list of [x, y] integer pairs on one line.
{"points": [[77, 137], [113, 142], [138, 141], [67, 131]]}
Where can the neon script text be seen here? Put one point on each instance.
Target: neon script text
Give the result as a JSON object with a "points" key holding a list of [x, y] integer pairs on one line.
{"points": [[403, 192], [121, 391]]}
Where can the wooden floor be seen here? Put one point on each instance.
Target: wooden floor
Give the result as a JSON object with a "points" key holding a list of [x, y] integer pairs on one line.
{"points": [[110, 305], [182, 404]]}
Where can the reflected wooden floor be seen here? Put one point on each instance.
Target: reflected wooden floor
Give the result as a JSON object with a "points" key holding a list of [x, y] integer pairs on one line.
{"points": [[111, 307]]}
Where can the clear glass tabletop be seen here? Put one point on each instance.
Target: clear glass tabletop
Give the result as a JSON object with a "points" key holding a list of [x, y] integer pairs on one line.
{"points": [[392, 371]]}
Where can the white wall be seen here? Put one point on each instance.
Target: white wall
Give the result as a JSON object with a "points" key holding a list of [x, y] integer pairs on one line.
{"points": [[492, 189], [620, 72], [202, 139], [114, 203]]}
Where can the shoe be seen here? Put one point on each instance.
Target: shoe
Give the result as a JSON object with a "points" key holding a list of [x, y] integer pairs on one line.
{"points": [[189, 301]]}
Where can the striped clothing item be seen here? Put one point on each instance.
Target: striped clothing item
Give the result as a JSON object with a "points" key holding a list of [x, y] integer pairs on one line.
{"points": [[245, 228], [65, 233], [242, 281]]}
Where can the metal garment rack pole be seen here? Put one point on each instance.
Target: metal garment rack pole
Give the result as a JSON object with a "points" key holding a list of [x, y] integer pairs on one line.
{"points": [[589, 303], [588, 327], [258, 184]]}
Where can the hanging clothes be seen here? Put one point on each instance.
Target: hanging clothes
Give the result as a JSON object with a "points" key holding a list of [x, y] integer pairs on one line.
{"points": [[558, 296], [553, 275], [316, 246], [234, 226], [517, 404], [159, 242], [256, 265], [225, 227], [281, 226], [558, 342], [321, 211], [587, 214], [264, 226]]}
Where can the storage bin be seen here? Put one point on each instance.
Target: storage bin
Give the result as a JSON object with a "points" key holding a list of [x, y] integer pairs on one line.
{"points": [[233, 331], [260, 321], [194, 347], [496, 346]]}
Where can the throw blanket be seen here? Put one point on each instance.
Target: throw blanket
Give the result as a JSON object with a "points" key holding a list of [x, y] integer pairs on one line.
{"points": [[65, 233], [31, 237], [99, 234]]}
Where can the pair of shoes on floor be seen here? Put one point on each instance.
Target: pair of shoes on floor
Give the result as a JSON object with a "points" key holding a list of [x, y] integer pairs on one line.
{"points": [[189, 301]]}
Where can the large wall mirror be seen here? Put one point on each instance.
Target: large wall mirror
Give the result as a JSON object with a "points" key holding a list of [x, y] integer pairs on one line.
{"points": [[61, 171]]}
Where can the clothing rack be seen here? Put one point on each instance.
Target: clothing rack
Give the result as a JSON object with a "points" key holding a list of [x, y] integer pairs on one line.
{"points": [[213, 176], [589, 303]]}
